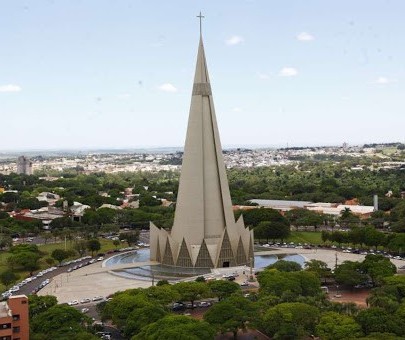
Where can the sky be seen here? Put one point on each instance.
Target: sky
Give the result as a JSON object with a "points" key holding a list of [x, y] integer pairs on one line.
{"points": [[83, 74]]}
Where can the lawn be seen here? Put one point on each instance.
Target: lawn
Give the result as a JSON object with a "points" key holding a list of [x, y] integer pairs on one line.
{"points": [[310, 237], [106, 245]]}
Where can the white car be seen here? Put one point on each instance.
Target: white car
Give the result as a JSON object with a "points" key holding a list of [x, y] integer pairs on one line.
{"points": [[98, 298], [85, 310], [86, 300], [204, 304], [73, 303]]}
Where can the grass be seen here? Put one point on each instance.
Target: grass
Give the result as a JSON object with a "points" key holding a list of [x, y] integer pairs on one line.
{"points": [[310, 237], [106, 245]]}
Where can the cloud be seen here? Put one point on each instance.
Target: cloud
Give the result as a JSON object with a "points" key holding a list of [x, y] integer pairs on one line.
{"points": [[234, 40], [304, 36], [167, 87], [288, 72], [10, 88], [264, 76], [382, 81]]}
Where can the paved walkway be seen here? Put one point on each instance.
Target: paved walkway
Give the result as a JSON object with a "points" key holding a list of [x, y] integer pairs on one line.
{"points": [[96, 269], [94, 280], [78, 285]]}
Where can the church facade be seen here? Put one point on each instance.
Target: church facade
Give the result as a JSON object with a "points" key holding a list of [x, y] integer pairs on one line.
{"points": [[204, 233]]}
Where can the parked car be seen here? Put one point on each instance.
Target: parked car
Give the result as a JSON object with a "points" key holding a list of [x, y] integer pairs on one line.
{"points": [[98, 298]]}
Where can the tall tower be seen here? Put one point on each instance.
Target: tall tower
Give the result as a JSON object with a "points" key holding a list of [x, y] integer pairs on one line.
{"points": [[24, 166], [204, 232]]}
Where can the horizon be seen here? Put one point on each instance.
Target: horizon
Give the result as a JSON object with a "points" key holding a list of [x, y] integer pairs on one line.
{"points": [[120, 77], [170, 149]]}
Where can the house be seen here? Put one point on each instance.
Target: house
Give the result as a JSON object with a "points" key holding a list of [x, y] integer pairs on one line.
{"points": [[48, 197]]}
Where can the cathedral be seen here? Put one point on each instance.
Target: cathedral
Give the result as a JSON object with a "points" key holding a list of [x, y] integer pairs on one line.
{"points": [[204, 233]]}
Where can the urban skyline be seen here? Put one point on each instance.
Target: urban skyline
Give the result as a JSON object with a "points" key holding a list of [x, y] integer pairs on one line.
{"points": [[86, 76]]}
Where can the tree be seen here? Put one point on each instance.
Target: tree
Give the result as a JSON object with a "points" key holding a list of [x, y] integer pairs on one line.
{"points": [[3, 215], [8, 277], [121, 306], [110, 228], [339, 237], [191, 291], [176, 327], [304, 217], [290, 320], [142, 317], [27, 260], [39, 304], [5, 241], [116, 243], [59, 255], [223, 288], [378, 267], [130, 237], [286, 266], [61, 222], [373, 237], [273, 230], [147, 200], [396, 243], [335, 326], [93, 245], [274, 282], [10, 197], [348, 219], [162, 283], [318, 267], [349, 273], [200, 279], [376, 319], [61, 320], [231, 314], [357, 235], [379, 299], [161, 295], [253, 217], [80, 246]]}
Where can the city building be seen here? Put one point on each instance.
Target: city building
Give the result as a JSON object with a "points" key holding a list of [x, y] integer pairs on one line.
{"points": [[24, 166], [204, 233], [363, 211], [14, 318]]}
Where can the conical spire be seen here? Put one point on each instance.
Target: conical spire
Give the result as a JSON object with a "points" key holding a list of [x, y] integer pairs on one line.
{"points": [[201, 71], [204, 232], [204, 207]]}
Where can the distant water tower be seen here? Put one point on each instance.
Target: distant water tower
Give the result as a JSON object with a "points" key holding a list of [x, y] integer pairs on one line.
{"points": [[375, 202]]}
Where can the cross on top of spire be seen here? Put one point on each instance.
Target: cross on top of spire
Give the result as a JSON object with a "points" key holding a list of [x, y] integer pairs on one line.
{"points": [[200, 17]]}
